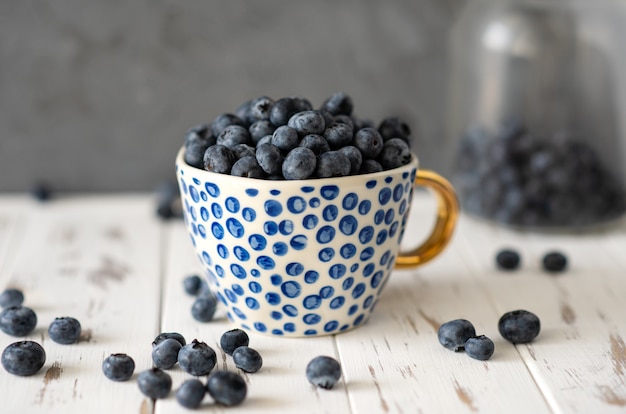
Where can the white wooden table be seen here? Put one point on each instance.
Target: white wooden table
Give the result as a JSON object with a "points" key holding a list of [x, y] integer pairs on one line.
{"points": [[112, 264]]}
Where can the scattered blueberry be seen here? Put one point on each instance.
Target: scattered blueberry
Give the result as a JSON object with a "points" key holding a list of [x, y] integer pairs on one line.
{"points": [[247, 359], [507, 259], [519, 326], [165, 353], [554, 262], [193, 284], [226, 388], [64, 330], [154, 383], [233, 339], [323, 371], [168, 200], [41, 192], [197, 358], [479, 347], [23, 358], [11, 297], [453, 334], [118, 367], [203, 308], [191, 393], [167, 335], [17, 320]]}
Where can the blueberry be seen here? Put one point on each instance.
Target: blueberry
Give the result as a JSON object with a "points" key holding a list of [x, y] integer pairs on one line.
{"points": [[333, 164], [17, 320], [369, 141], [259, 129], [283, 109], [315, 143], [507, 259], [339, 103], [23, 358], [11, 297], [168, 200], [223, 121], [247, 359], [394, 127], [345, 119], [453, 334], [519, 326], [218, 158], [118, 367], [554, 262], [226, 388], [302, 104], [233, 339], [259, 109], [243, 150], [355, 157], [370, 166], [395, 153], [338, 135], [197, 133], [41, 191], [323, 371], [247, 166], [234, 135], [328, 117], [299, 164], [154, 383], [165, 353], [267, 139], [285, 138], [479, 347], [193, 284], [307, 122], [65, 330], [194, 153], [191, 393], [203, 308], [197, 358], [270, 158], [169, 335]]}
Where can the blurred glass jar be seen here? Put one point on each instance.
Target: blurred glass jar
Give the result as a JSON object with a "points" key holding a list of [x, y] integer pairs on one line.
{"points": [[537, 111]]}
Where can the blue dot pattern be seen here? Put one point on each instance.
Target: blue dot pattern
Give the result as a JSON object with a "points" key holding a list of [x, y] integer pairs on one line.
{"points": [[294, 259]]}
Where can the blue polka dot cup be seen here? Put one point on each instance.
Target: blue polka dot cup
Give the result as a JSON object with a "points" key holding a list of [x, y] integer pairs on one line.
{"points": [[306, 257]]}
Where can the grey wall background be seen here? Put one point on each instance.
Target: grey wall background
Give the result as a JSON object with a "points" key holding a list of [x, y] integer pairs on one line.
{"points": [[97, 97]]}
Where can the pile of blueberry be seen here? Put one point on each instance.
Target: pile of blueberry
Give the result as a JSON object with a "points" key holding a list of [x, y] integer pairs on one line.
{"points": [[518, 327], [552, 261], [27, 357], [289, 139], [517, 178]]}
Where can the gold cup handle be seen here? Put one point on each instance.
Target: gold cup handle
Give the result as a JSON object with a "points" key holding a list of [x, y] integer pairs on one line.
{"points": [[447, 215]]}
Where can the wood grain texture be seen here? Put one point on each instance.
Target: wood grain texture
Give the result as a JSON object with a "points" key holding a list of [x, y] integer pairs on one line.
{"points": [[110, 263]]}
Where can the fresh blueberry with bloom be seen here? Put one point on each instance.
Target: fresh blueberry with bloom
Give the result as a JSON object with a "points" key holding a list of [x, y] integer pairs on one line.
{"points": [[479, 347], [219, 158], [453, 334], [323, 371], [17, 320], [394, 127], [369, 141], [118, 367], [299, 164], [193, 284], [222, 121], [247, 166], [307, 122], [191, 393], [64, 330], [197, 358], [227, 388], [165, 353], [247, 359], [167, 335], [270, 158], [339, 103], [333, 164], [315, 143], [395, 153], [519, 326], [285, 138], [11, 297], [154, 383], [23, 358], [233, 339]]}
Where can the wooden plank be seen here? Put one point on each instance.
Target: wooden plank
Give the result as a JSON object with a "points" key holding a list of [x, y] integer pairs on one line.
{"points": [[579, 358], [280, 385], [94, 259]]}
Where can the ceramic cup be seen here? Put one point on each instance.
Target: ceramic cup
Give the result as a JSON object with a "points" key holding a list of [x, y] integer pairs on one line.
{"points": [[306, 257]]}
